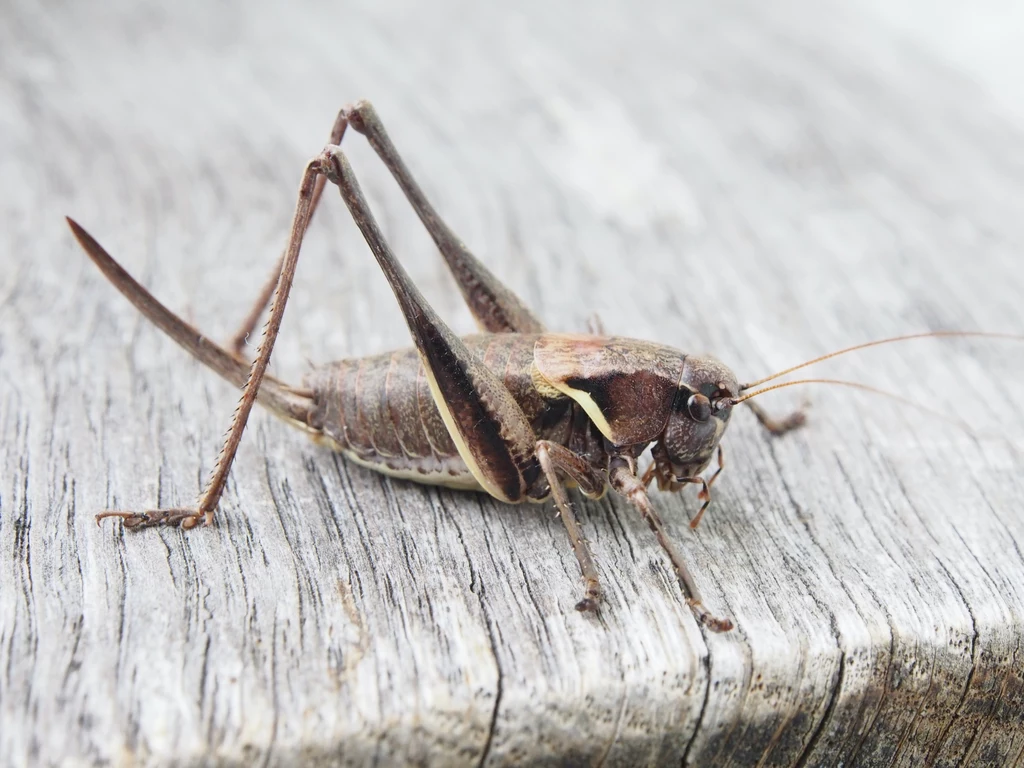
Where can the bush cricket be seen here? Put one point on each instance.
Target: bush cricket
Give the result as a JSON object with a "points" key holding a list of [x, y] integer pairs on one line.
{"points": [[515, 411]]}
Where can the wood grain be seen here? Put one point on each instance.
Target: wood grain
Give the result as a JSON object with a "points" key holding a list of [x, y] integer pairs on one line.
{"points": [[767, 182]]}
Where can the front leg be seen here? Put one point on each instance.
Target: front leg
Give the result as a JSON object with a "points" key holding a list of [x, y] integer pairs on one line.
{"points": [[778, 427], [622, 475], [554, 457]]}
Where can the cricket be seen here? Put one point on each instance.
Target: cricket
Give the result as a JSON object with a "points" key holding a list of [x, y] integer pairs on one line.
{"points": [[515, 411]]}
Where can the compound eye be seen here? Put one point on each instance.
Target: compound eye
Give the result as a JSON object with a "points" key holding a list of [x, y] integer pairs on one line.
{"points": [[699, 407]]}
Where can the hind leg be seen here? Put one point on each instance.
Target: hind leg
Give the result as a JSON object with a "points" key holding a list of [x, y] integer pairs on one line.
{"points": [[204, 510], [489, 429], [494, 306], [248, 325]]}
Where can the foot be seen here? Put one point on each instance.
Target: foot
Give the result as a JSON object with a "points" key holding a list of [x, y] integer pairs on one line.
{"points": [[184, 518], [705, 617], [778, 427], [592, 600]]}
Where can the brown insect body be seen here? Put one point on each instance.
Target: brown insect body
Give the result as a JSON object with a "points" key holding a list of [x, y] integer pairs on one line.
{"points": [[517, 411], [592, 395], [380, 412]]}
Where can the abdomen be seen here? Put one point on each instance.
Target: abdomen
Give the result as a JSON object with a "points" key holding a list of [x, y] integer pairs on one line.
{"points": [[378, 410]]}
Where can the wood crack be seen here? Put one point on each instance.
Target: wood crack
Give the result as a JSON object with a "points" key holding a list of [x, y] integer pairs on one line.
{"points": [[481, 593], [941, 740], [826, 719], [698, 725]]}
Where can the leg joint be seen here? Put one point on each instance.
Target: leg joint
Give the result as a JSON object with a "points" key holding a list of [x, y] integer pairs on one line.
{"points": [[358, 112], [332, 164]]}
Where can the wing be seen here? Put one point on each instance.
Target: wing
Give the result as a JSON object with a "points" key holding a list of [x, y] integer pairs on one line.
{"points": [[626, 386]]}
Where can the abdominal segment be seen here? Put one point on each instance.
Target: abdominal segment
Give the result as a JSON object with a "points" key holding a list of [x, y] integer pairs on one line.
{"points": [[378, 411]]}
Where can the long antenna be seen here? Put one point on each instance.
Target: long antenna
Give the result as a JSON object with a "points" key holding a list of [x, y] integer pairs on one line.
{"points": [[933, 334], [866, 388]]}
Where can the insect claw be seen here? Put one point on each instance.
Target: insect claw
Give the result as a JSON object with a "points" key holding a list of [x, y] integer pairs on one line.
{"points": [[128, 519], [793, 421], [592, 601], [587, 605], [185, 518], [709, 620], [718, 625]]}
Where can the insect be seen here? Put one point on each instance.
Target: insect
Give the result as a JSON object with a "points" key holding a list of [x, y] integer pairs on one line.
{"points": [[516, 411]]}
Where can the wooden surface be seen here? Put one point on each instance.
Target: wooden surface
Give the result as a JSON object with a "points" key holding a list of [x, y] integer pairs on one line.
{"points": [[764, 184]]}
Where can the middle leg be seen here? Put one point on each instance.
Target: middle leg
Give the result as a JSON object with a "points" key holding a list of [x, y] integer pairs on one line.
{"points": [[552, 458]]}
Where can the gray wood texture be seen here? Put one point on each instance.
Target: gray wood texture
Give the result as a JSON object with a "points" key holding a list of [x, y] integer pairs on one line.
{"points": [[764, 181]]}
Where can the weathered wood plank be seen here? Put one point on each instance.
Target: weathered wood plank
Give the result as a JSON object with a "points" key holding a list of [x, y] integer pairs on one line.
{"points": [[766, 185]]}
